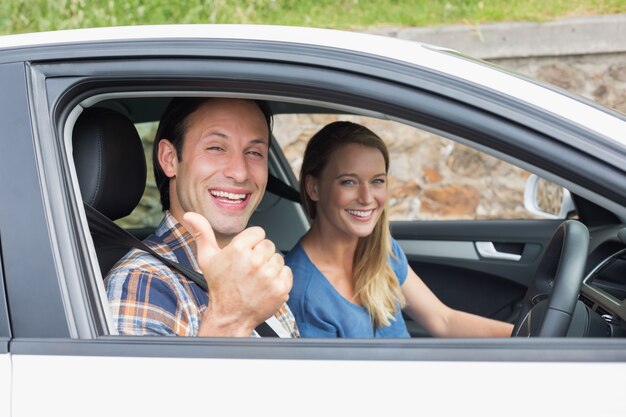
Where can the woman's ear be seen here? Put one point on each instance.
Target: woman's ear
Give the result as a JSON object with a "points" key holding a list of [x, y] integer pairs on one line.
{"points": [[311, 187], [167, 158]]}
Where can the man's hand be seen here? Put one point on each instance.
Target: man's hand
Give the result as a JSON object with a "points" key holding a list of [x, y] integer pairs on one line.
{"points": [[248, 281]]}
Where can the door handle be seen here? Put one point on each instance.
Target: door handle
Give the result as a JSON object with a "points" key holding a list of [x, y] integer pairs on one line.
{"points": [[488, 250]]}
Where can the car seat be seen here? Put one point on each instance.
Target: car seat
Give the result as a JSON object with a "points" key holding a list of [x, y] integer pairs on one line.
{"points": [[111, 168]]}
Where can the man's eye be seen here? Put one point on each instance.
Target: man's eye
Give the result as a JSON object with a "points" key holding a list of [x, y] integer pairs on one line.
{"points": [[256, 154], [214, 148]]}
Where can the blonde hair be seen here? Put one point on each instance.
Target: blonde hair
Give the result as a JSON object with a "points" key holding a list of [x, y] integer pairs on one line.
{"points": [[376, 285]]}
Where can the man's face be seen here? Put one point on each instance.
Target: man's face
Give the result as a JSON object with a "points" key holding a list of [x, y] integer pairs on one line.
{"points": [[222, 172]]}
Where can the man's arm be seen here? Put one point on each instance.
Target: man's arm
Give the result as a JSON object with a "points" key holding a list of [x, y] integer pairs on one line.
{"points": [[144, 302], [247, 280]]}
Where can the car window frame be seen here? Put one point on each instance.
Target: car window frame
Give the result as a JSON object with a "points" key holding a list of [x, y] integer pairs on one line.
{"points": [[59, 88], [23, 221], [5, 328]]}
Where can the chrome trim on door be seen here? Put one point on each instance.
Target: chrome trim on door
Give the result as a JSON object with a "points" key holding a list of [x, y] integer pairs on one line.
{"points": [[488, 250]]}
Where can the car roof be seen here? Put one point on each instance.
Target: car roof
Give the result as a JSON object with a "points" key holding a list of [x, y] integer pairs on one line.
{"points": [[441, 60], [294, 34]]}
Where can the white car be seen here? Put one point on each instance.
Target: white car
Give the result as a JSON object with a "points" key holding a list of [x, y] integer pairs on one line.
{"points": [[561, 277]]}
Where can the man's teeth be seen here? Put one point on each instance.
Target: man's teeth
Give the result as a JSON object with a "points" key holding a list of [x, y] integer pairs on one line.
{"points": [[230, 196], [360, 213]]}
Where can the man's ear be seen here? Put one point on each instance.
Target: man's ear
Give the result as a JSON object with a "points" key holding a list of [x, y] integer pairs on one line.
{"points": [[167, 158], [311, 187]]}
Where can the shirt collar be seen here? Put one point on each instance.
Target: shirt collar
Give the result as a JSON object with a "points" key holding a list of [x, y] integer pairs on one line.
{"points": [[177, 237]]}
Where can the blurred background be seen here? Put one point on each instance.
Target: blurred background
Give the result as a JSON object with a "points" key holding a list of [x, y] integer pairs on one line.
{"points": [[18, 16]]}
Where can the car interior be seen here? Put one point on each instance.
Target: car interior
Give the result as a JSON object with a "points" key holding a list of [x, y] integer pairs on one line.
{"points": [[111, 169]]}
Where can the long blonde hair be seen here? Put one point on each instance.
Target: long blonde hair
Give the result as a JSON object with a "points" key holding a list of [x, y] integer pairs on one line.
{"points": [[375, 282]]}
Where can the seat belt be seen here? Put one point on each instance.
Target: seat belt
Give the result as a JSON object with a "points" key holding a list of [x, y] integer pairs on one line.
{"points": [[281, 189], [101, 225]]}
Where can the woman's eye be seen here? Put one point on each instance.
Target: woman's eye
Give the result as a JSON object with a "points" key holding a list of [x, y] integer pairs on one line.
{"points": [[378, 181], [347, 182]]}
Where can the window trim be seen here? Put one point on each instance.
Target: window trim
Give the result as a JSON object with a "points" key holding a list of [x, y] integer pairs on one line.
{"points": [[242, 77], [5, 326]]}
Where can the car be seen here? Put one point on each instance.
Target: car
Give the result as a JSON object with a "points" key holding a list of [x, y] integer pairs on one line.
{"points": [[554, 266]]}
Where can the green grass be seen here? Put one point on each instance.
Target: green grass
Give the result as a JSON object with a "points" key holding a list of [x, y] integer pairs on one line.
{"points": [[18, 16]]}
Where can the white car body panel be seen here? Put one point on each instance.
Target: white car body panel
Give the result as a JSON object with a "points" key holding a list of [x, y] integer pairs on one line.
{"points": [[153, 387], [5, 384]]}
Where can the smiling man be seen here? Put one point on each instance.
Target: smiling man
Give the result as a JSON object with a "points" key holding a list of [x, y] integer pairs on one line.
{"points": [[211, 167]]}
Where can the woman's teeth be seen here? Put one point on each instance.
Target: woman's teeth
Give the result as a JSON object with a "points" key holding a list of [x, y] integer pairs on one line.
{"points": [[360, 213]]}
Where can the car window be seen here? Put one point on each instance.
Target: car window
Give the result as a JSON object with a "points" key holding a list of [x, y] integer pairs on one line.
{"points": [[431, 177]]}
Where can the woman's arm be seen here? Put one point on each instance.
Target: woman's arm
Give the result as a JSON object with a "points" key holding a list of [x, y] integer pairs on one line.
{"points": [[423, 306]]}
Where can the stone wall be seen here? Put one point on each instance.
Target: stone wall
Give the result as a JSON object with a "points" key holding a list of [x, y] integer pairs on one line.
{"points": [[586, 56], [430, 177], [599, 77], [434, 178]]}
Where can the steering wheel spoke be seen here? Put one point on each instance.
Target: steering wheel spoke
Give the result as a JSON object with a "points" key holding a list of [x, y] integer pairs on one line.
{"points": [[551, 298]]}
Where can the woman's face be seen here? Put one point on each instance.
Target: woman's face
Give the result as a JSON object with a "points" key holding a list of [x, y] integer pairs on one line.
{"points": [[351, 192]]}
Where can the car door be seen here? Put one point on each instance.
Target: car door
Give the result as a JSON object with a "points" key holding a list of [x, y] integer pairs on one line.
{"points": [[66, 357], [449, 258]]}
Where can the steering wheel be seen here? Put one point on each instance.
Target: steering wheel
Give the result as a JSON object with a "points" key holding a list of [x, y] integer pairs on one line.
{"points": [[551, 298]]}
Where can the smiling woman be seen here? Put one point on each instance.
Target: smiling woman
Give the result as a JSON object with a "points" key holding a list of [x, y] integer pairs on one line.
{"points": [[343, 188], [351, 279]]}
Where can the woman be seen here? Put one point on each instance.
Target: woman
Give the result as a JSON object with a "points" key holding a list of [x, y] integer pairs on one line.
{"points": [[350, 278]]}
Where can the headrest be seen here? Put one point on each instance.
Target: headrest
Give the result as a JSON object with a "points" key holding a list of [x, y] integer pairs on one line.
{"points": [[110, 162]]}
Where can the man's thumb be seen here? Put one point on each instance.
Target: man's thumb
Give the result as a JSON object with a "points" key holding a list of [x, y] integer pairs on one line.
{"points": [[202, 233]]}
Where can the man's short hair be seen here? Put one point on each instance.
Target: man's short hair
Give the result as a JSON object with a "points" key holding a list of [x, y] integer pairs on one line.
{"points": [[173, 126]]}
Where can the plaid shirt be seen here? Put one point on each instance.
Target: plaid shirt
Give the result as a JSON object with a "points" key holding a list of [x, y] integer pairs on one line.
{"points": [[149, 298]]}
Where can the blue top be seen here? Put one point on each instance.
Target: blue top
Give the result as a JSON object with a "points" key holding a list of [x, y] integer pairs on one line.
{"points": [[320, 310]]}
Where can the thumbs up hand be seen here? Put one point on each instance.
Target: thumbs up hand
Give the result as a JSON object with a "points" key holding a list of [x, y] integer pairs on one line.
{"points": [[247, 280]]}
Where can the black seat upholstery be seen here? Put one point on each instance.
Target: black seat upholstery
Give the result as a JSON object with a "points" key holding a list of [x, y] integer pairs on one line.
{"points": [[111, 169]]}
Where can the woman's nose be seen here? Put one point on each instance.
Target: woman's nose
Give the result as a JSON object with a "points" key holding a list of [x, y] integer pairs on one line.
{"points": [[365, 194]]}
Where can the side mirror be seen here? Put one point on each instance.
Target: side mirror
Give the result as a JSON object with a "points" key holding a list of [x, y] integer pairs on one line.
{"points": [[547, 199]]}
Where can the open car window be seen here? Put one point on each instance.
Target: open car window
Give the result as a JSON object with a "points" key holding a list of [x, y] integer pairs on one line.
{"points": [[475, 260], [431, 178]]}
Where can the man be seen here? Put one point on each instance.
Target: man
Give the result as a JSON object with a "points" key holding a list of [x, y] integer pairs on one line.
{"points": [[211, 167]]}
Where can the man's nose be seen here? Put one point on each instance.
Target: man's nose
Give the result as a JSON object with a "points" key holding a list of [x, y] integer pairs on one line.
{"points": [[236, 168]]}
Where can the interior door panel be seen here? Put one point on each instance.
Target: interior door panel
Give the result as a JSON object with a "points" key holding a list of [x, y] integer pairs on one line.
{"points": [[482, 267]]}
